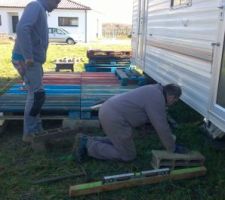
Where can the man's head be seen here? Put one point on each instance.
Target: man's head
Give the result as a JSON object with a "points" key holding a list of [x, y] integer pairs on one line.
{"points": [[172, 93], [52, 4]]}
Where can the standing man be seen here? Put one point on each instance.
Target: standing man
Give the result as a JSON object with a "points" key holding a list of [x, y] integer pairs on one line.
{"points": [[28, 56], [119, 114]]}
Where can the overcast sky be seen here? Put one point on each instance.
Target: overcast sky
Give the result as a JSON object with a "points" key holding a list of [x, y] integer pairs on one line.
{"points": [[119, 11]]}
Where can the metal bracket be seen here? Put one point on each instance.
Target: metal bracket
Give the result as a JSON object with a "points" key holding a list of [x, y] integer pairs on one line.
{"points": [[221, 4], [215, 44], [212, 130]]}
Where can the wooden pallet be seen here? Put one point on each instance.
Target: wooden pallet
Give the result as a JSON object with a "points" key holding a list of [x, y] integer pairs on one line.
{"points": [[110, 61], [105, 67], [66, 65], [166, 159], [89, 115], [103, 78], [130, 76], [68, 95], [98, 54], [60, 99], [96, 93], [62, 78]]}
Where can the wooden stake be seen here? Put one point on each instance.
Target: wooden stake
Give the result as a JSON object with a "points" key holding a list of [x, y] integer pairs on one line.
{"points": [[58, 178]]}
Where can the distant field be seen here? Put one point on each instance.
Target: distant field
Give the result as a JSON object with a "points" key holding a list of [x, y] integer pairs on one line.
{"points": [[58, 51]]}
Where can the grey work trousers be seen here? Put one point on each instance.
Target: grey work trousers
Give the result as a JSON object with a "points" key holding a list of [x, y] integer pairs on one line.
{"points": [[32, 77], [118, 143]]}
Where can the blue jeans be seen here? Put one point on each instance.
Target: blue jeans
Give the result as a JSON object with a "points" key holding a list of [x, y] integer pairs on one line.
{"points": [[33, 76]]}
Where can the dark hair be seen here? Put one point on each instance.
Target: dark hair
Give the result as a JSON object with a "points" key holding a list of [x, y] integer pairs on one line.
{"points": [[172, 89]]}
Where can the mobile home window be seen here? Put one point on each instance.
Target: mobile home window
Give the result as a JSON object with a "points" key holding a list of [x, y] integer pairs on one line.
{"points": [[68, 21], [180, 3]]}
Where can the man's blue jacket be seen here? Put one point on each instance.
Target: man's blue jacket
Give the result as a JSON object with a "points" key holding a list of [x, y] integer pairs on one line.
{"points": [[32, 32]]}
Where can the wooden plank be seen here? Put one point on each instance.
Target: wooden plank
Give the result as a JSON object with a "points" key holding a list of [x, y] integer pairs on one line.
{"points": [[43, 117], [121, 74], [122, 77], [50, 108], [99, 186], [110, 65], [111, 62], [59, 98], [46, 104], [104, 68], [92, 95], [99, 54]]}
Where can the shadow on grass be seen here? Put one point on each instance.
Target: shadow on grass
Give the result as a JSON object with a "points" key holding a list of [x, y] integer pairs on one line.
{"points": [[183, 113]]}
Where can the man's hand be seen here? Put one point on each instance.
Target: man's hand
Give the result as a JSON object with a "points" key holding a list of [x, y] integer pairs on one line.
{"points": [[179, 148], [29, 62]]}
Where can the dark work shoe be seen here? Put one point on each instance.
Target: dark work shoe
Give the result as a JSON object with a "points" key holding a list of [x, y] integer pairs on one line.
{"points": [[28, 138], [80, 148]]}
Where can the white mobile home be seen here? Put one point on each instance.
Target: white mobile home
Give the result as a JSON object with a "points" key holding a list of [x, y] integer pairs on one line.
{"points": [[182, 41], [70, 15]]}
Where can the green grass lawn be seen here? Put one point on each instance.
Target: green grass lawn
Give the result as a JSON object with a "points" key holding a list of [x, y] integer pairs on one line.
{"points": [[20, 165], [56, 51]]}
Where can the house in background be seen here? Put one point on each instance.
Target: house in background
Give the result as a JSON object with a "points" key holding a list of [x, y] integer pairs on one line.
{"points": [[70, 15]]}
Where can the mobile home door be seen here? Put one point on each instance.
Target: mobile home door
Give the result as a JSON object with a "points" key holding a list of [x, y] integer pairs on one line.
{"points": [[140, 11], [217, 107]]}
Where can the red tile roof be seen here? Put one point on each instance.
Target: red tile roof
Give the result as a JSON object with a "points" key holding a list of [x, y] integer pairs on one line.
{"points": [[64, 4]]}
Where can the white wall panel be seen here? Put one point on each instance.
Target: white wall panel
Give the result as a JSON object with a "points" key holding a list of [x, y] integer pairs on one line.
{"points": [[135, 26], [179, 47], [7, 14], [169, 68], [4, 26]]}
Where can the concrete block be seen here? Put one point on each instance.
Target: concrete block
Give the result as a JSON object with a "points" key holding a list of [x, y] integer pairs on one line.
{"points": [[162, 158]]}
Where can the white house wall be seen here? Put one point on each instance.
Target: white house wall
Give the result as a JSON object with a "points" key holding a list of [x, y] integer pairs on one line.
{"points": [[178, 47], [93, 25], [92, 29], [80, 30], [4, 27], [6, 14]]}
